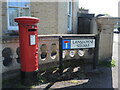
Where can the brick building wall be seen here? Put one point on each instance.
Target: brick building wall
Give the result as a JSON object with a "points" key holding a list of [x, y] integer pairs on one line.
{"points": [[53, 17], [47, 13]]}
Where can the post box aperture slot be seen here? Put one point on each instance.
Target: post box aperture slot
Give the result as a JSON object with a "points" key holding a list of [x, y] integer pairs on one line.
{"points": [[32, 30]]}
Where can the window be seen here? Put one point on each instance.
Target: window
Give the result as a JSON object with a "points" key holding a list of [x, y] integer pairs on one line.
{"points": [[70, 16], [17, 8]]}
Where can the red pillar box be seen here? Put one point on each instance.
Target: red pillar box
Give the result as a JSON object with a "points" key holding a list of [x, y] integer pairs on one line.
{"points": [[28, 36]]}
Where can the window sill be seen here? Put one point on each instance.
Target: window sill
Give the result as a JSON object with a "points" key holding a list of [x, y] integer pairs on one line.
{"points": [[9, 39], [69, 32], [10, 36], [12, 33]]}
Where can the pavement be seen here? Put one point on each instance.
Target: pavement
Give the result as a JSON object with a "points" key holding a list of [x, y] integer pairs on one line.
{"points": [[116, 45], [116, 56], [102, 77]]}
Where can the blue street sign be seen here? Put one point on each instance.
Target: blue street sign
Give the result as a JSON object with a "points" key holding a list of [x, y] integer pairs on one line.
{"points": [[66, 44]]}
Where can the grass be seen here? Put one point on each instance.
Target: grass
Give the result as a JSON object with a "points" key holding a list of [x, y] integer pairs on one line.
{"points": [[111, 63]]}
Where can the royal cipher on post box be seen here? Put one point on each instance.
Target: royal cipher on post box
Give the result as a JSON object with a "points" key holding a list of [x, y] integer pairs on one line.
{"points": [[28, 39]]}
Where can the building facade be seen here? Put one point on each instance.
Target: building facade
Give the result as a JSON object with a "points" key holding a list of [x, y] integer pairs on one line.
{"points": [[55, 17]]}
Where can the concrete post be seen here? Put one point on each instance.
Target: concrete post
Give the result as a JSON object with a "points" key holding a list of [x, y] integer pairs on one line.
{"points": [[105, 26]]}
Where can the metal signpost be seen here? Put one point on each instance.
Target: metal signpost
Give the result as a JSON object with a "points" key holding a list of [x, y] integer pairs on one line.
{"points": [[78, 43]]}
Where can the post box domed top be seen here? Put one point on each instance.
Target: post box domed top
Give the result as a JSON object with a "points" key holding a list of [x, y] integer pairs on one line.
{"points": [[27, 20]]}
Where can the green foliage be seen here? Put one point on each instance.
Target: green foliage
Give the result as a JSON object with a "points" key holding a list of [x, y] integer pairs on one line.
{"points": [[111, 63], [41, 79], [82, 8], [106, 14]]}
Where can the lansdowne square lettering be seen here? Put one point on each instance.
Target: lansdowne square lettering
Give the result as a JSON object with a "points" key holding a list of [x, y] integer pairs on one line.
{"points": [[81, 42]]}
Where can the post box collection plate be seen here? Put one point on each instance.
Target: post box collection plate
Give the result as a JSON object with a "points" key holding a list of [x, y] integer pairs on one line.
{"points": [[32, 39]]}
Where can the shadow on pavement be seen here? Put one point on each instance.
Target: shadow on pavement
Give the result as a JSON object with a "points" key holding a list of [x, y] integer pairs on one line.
{"points": [[99, 78], [76, 75]]}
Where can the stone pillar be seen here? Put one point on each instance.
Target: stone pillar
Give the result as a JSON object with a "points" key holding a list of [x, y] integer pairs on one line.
{"points": [[105, 26]]}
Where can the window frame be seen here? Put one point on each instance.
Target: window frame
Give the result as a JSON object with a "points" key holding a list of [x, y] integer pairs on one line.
{"points": [[69, 24], [14, 28]]}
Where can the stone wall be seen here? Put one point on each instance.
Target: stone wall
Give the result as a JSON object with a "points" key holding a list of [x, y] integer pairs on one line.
{"points": [[0, 45], [48, 53], [4, 18], [9, 54]]}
